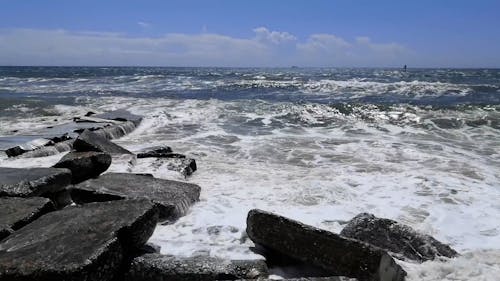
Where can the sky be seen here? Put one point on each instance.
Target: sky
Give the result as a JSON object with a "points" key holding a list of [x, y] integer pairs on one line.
{"points": [[257, 33]]}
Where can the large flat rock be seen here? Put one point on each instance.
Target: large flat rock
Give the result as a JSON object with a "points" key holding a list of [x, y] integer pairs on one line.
{"points": [[120, 115], [395, 237], [156, 267], [86, 242], [91, 141], [334, 253], [84, 165], [33, 181], [173, 197], [16, 212]]}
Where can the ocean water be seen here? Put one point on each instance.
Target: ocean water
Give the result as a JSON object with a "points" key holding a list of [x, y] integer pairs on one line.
{"points": [[316, 145]]}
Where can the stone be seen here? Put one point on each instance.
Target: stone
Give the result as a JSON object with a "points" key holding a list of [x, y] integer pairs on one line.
{"points": [[16, 212], [330, 278], [90, 141], [29, 146], [88, 242], [173, 197], [85, 165], [153, 267], [33, 181], [120, 115], [158, 152], [395, 237], [336, 254]]}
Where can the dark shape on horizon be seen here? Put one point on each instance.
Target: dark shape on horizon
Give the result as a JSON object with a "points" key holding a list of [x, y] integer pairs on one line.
{"points": [[404, 68]]}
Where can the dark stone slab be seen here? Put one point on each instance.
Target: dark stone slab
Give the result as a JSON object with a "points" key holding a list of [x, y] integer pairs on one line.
{"points": [[334, 253], [33, 181], [90, 141], [85, 165], [31, 145], [154, 151], [156, 267], [331, 278], [86, 242], [173, 197], [17, 212], [120, 115], [395, 237]]}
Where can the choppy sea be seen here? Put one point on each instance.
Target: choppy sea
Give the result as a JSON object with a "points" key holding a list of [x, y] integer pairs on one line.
{"points": [[317, 145]]}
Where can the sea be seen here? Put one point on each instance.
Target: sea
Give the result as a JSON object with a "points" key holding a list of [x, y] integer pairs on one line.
{"points": [[319, 145]]}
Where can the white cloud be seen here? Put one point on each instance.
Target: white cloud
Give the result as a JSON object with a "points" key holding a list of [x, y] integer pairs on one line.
{"points": [[143, 24], [266, 48], [263, 34]]}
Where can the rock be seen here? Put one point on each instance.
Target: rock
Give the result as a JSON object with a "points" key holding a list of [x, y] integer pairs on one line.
{"points": [[85, 165], [334, 253], [29, 146], [395, 237], [86, 242], [173, 197], [152, 267], [330, 278], [33, 181], [90, 141], [159, 152], [120, 115], [17, 212]]}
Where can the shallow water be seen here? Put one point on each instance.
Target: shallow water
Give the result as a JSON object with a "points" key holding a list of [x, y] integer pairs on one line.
{"points": [[316, 145]]}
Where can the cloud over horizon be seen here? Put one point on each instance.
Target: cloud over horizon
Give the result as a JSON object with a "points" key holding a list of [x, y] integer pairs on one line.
{"points": [[265, 48]]}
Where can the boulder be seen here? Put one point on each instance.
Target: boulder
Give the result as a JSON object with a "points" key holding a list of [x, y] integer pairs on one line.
{"points": [[330, 278], [156, 267], [85, 165], [33, 181], [16, 212], [87, 242], [90, 141], [395, 237], [334, 253], [120, 115], [29, 146], [173, 197], [157, 151]]}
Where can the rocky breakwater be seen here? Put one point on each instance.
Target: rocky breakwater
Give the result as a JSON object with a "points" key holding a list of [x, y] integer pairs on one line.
{"points": [[61, 137], [89, 226]]}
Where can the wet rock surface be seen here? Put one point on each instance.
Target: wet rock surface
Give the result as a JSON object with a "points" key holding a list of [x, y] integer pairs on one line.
{"points": [[84, 165], [173, 197], [31, 182], [395, 237], [90, 141], [174, 161], [152, 267], [334, 253], [120, 115], [86, 242], [17, 212]]}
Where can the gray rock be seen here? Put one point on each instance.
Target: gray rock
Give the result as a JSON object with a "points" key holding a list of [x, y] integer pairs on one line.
{"points": [[334, 253], [173, 197], [17, 212], [120, 115], [395, 237], [86, 242], [154, 151], [331, 278], [29, 146], [155, 267], [84, 165], [33, 181], [90, 141]]}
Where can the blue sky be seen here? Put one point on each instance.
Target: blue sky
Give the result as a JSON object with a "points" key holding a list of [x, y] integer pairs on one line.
{"points": [[251, 33]]}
